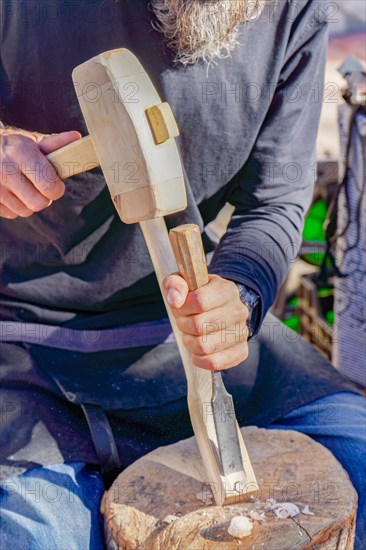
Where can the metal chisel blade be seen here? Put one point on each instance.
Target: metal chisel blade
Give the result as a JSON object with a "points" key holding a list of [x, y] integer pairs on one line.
{"points": [[226, 427]]}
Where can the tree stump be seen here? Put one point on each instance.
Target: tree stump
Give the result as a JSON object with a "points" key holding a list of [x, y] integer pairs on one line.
{"points": [[170, 481]]}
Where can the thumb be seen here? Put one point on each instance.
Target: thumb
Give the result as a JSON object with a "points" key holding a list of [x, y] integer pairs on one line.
{"points": [[175, 290], [55, 141]]}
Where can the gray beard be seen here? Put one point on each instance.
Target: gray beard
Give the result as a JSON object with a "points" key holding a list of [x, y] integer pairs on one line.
{"points": [[203, 29]]}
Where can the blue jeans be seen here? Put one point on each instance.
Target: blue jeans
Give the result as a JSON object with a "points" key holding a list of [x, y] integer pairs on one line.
{"points": [[57, 507]]}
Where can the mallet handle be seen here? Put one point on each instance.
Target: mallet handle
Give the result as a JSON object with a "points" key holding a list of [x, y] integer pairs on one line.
{"points": [[79, 156]]}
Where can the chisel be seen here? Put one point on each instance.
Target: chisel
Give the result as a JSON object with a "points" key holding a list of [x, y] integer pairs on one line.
{"points": [[189, 253]]}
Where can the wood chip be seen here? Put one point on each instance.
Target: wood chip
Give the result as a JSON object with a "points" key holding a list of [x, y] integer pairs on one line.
{"points": [[285, 510], [258, 516], [240, 527]]}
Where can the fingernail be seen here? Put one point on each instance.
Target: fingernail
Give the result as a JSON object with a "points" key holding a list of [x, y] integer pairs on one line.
{"points": [[172, 296]]}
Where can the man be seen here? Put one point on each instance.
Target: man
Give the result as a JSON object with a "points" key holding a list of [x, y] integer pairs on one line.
{"points": [[240, 78]]}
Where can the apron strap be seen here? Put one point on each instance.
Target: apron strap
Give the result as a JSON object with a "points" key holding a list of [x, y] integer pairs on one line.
{"points": [[103, 438], [151, 333]]}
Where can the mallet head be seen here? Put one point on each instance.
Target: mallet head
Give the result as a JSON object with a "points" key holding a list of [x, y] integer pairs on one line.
{"points": [[133, 136]]}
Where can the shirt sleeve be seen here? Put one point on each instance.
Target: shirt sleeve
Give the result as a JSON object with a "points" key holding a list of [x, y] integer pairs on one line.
{"points": [[274, 189]]}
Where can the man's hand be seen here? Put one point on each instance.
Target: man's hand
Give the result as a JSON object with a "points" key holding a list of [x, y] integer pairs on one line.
{"points": [[28, 182], [212, 320]]}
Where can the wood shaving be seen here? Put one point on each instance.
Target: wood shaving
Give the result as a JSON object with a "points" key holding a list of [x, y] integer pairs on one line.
{"points": [[270, 503], [306, 511], [259, 516], [240, 527], [285, 510]]}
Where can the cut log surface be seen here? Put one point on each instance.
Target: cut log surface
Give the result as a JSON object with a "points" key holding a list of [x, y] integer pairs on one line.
{"points": [[170, 481]]}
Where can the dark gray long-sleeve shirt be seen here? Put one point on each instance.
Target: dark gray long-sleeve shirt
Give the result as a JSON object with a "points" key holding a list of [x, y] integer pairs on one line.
{"points": [[248, 127]]}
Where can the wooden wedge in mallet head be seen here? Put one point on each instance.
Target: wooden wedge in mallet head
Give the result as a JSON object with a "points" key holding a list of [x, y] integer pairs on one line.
{"points": [[132, 138]]}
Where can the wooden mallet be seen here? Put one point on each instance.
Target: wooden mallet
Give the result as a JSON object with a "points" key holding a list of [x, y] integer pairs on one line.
{"points": [[132, 138]]}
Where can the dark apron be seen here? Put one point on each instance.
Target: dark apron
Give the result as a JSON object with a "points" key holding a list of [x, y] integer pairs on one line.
{"points": [[110, 406]]}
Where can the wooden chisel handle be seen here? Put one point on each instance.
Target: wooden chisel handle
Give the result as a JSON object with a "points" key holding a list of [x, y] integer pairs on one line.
{"points": [[190, 256]]}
